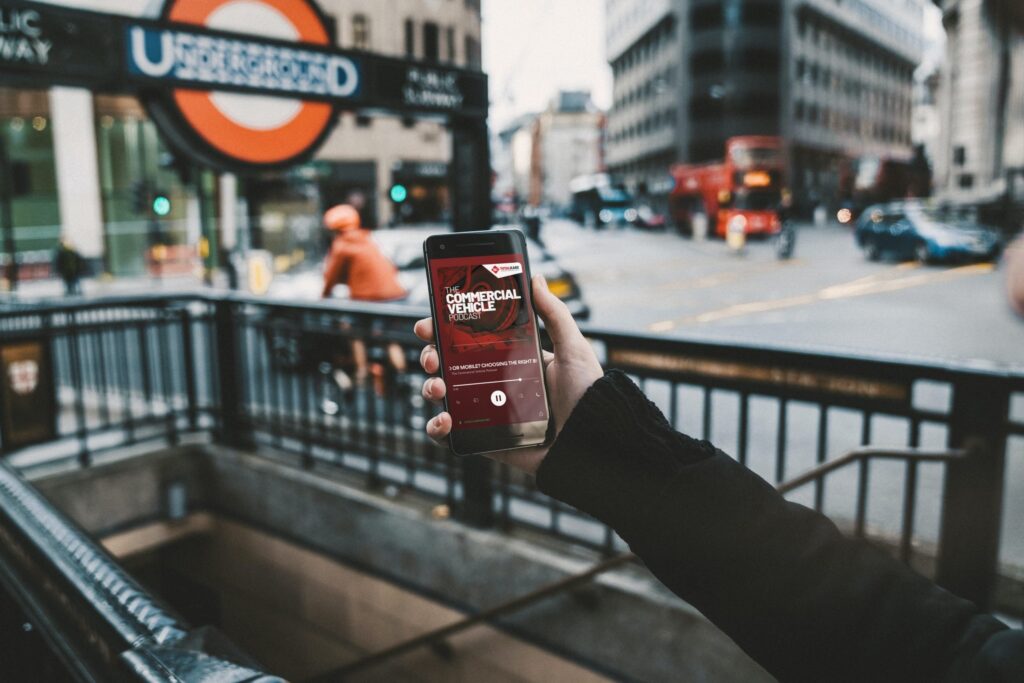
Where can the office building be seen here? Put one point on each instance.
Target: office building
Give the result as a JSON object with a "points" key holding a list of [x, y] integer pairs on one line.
{"points": [[980, 158], [834, 79]]}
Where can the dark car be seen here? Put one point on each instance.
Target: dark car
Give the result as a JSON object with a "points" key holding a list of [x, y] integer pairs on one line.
{"points": [[913, 231]]}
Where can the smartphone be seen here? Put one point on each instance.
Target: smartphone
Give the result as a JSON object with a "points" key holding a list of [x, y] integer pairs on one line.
{"points": [[485, 329]]}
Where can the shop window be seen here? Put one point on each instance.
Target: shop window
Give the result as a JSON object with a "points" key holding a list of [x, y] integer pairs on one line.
{"points": [[29, 150]]}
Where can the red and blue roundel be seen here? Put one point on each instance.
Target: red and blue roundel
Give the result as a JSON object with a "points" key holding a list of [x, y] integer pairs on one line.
{"points": [[247, 131]]}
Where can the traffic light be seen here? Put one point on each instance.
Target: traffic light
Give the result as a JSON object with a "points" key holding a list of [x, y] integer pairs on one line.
{"points": [[399, 193], [161, 204]]}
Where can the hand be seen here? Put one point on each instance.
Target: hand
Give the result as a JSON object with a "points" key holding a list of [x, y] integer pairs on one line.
{"points": [[569, 372]]}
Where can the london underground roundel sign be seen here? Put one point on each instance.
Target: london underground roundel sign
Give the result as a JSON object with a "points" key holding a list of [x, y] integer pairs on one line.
{"points": [[235, 130]]}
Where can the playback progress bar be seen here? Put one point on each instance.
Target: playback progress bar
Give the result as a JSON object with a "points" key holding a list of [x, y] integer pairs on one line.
{"points": [[497, 381]]}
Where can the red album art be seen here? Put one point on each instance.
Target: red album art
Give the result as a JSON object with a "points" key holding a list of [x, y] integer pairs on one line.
{"points": [[485, 312], [486, 334]]}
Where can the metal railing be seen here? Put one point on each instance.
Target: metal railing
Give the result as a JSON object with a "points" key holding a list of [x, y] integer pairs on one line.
{"points": [[99, 623], [251, 372], [439, 638]]}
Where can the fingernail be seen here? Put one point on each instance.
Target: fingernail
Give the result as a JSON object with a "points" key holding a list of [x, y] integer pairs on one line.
{"points": [[541, 281], [435, 422]]}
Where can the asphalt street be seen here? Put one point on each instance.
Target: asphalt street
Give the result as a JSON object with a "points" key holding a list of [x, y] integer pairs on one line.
{"points": [[829, 298]]}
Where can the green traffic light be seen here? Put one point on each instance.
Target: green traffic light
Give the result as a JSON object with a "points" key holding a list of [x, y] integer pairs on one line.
{"points": [[161, 205], [399, 193]]}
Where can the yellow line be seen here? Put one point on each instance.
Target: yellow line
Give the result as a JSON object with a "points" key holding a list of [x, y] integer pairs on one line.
{"points": [[722, 277], [860, 287]]}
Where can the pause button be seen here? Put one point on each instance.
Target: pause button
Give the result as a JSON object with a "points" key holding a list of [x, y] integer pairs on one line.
{"points": [[498, 398]]}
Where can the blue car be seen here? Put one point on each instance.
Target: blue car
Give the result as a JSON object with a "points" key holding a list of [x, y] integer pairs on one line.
{"points": [[911, 231]]}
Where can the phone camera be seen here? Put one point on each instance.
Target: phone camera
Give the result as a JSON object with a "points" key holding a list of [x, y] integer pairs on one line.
{"points": [[443, 247]]}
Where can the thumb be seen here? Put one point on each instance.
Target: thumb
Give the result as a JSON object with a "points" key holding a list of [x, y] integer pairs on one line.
{"points": [[556, 316]]}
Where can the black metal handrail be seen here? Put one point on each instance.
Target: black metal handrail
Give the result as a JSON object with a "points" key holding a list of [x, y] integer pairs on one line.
{"points": [[99, 621], [436, 637], [249, 371]]}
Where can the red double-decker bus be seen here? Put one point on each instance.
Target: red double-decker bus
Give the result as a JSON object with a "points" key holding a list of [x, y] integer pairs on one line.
{"points": [[744, 191]]}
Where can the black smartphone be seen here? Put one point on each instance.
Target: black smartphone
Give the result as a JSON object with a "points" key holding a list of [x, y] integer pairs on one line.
{"points": [[486, 329]]}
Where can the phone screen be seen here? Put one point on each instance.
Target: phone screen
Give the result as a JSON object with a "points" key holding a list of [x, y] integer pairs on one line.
{"points": [[487, 341]]}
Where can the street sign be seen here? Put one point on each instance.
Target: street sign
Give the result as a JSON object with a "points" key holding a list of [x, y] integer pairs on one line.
{"points": [[237, 85], [27, 402]]}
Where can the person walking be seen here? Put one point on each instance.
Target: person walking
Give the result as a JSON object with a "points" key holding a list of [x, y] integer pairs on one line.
{"points": [[69, 266], [805, 602]]}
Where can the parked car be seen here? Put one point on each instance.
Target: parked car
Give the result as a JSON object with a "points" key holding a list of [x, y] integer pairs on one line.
{"points": [[910, 230], [404, 246]]}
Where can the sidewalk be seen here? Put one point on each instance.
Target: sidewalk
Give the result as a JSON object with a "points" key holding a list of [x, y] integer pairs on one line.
{"points": [[53, 288]]}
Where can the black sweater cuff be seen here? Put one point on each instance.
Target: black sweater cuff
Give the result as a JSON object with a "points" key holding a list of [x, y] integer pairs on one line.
{"points": [[614, 450]]}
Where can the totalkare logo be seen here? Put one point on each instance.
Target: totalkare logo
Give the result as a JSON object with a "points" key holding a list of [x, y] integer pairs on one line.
{"points": [[241, 130], [504, 269]]}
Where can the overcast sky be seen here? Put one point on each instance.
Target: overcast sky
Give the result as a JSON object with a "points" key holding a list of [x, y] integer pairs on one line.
{"points": [[534, 48]]}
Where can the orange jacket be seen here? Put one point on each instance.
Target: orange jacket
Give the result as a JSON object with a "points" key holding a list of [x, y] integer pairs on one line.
{"points": [[355, 260]]}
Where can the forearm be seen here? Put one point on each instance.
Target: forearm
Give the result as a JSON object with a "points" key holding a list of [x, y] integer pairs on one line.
{"points": [[779, 579]]}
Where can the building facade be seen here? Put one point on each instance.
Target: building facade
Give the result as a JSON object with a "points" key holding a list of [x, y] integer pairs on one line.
{"points": [[834, 79], [980, 158], [645, 43], [569, 142], [78, 157]]}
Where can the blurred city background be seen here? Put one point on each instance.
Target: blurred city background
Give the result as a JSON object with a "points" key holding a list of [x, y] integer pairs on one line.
{"points": [[796, 222]]}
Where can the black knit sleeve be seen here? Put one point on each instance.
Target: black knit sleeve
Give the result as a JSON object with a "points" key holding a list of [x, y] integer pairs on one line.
{"points": [[807, 603]]}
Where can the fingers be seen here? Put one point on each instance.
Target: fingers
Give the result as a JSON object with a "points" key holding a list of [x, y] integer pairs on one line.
{"points": [[546, 357], [434, 389], [424, 329], [556, 316], [429, 359], [439, 427]]}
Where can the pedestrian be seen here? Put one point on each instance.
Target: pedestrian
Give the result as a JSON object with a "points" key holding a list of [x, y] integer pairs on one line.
{"points": [[532, 223], [354, 259], [69, 266], [1014, 259], [805, 602]]}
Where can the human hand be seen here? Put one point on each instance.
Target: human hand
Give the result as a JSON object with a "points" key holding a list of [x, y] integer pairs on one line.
{"points": [[569, 372]]}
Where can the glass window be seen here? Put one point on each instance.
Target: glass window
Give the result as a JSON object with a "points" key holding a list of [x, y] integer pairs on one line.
{"points": [[26, 135], [431, 44], [450, 44], [360, 32], [410, 38]]}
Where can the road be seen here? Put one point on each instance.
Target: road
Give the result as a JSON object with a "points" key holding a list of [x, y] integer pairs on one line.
{"points": [[828, 297]]}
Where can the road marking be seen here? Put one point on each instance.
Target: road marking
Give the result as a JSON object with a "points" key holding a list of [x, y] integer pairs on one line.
{"points": [[726, 276], [874, 284]]}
